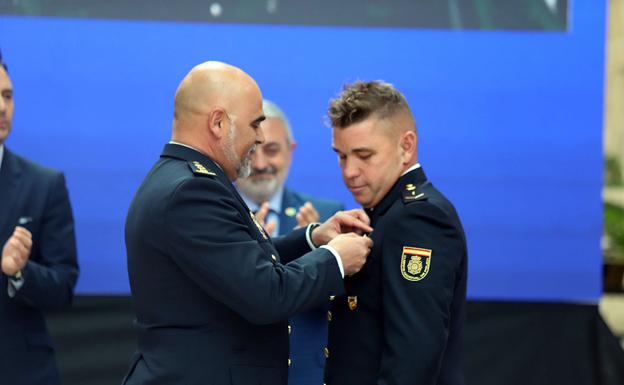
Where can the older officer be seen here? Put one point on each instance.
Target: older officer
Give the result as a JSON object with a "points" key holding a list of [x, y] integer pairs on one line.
{"points": [[400, 320], [212, 292]]}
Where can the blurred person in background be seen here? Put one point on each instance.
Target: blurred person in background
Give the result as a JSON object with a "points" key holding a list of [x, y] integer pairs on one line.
{"points": [[283, 209]]}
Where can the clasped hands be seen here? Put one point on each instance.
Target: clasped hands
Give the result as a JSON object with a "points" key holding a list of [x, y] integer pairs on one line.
{"points": [[16, 251]]}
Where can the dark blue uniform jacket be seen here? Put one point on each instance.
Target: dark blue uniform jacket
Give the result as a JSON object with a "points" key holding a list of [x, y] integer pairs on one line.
{"points": [[212, 291], [400, 320]]}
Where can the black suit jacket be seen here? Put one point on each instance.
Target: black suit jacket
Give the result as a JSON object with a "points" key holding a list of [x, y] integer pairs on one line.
{"points": [[210, 293], [400, 321], [36, 195]]}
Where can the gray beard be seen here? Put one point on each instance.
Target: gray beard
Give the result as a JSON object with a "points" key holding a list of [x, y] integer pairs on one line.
{"points": [[243, 166], [259, 191]]}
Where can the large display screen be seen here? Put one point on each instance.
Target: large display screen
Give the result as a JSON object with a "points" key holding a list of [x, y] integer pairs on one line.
{"points": [[509, 111]]}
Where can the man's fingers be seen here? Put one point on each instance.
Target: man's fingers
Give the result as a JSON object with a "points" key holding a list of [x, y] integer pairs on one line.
{"points": [[359, 214], [22, 236], [307, 214], [270, 227], [20, 248], [300, 220], [354, 223], [14, 251], [262, 213], [22, 230], [310, 213]]}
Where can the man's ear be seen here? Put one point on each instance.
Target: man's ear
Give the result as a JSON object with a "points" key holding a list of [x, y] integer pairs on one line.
{"points": [[215, 122], [408, 145]]}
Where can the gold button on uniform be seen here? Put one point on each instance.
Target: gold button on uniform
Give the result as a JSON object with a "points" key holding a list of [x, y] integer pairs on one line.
{"points": [[329, 315], [273, 257], [289, 362], [289, 329], [326, 351], [332, 297]]}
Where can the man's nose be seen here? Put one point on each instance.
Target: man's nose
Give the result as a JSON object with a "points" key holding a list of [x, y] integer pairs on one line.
{"points": [[350, 169], [258, 159], [259, 136]]}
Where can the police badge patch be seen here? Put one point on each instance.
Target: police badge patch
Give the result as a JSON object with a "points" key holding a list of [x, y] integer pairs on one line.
{"points": [[415, 263]]}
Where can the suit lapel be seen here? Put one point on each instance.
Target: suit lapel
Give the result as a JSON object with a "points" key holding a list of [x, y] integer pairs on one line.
{"points": [[10, 185]]}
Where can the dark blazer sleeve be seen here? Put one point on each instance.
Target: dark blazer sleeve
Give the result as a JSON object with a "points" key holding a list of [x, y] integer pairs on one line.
{"points": [[212, 244], [49, 281], [416, 313], [292, 245]]}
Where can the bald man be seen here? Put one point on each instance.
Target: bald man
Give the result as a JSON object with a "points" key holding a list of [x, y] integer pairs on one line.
{"points": [[212, 291], [400, 320]]}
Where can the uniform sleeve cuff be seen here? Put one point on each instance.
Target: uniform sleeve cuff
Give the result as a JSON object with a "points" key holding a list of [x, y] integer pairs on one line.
{"points": [[308, 233], [337, 256]]}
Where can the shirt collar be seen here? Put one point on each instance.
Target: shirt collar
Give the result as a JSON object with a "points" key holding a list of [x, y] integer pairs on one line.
{"points": [[414, 167], [275, 202], [1, 155]]}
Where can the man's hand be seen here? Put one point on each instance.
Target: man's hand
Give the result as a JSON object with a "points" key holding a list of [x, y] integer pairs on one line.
{"points": [[353, 250], [261, 216], [307, 214], [352, 221], [16, 251]]}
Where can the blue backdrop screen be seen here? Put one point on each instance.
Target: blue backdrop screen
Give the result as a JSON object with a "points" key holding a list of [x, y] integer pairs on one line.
{"points": [[510, 127]]}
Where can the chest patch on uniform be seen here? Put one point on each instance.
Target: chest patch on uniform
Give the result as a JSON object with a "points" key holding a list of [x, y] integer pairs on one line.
{"points": [[200, 169], [415, 263], [412, 193]]}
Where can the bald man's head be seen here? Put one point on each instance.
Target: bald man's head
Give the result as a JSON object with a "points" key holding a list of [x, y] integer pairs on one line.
{"points": [[218, 110], [208, 85]]}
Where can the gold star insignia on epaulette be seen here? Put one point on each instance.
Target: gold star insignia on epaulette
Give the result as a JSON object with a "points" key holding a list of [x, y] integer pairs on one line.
{"points": [[290, 211], [411, 193], [200, 169]]}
